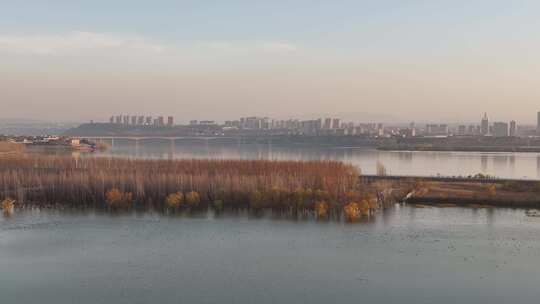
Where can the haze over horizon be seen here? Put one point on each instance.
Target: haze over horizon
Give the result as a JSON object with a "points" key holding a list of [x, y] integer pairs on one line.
{"points": [[397, 60]]}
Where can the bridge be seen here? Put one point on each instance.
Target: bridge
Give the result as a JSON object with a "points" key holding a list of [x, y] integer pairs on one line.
{"points": [[172, 139]]}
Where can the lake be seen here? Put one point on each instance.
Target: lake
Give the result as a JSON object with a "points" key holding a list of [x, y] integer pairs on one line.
{"points": [[402, 255], [503, 165]]}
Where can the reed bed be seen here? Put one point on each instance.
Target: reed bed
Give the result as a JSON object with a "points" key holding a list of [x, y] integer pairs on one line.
{"points": [[115, 183], [9, 148]]}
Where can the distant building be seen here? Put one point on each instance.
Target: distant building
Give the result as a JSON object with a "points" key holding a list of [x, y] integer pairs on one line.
{"points": [[437, 129], [327, 123], [140, 120], [133, 120], [335, 123], [207, 122], [462, 130], [119, 119], [513, 128], [111, 120], [193, 123], [254, 123], [160, 121], [148, 120], [170, 121], [484, 126], [500, 129], [380, 129]]}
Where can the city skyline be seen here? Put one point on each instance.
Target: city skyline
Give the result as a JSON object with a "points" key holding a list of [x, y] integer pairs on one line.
{"points": [[378, 61]]}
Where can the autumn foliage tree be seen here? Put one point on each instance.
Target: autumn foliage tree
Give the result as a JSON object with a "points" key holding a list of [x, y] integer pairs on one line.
{"points": [[117, 199]]}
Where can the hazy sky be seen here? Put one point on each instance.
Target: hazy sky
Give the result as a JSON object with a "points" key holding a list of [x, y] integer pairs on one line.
{"points": [[365, 60]]}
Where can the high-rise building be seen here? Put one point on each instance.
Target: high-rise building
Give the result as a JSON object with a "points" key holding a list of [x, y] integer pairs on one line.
{"points": [[133, 120], [500, 129], [111, 120], [327, 123], [148, 121], [462, 129], [170, 121], [380, 129], [140, 120], [119, 119], [484, 126], [335, 123], [513, 128]]}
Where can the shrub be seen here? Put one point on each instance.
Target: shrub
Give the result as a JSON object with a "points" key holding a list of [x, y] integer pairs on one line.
{"points": [[174, 200], [117, 199], [7, 204], [364, 207], [352, 211], [321, 209], [193, 199]]}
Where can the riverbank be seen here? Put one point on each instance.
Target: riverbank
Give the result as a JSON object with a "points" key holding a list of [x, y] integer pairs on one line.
{"points": [[510, 194]]}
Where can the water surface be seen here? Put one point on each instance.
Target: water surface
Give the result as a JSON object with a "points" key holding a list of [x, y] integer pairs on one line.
{"points": [[404, 255], [421, 163]]}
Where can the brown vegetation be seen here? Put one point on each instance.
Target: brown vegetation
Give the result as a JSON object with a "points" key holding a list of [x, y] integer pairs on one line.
{"points": [[7, 206], [117, 199], [321, 209], [352, 211], [9, 148], [174, 200], [172, 184], [506, 194]]}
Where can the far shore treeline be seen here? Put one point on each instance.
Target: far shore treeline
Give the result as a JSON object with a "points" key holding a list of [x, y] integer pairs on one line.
{"points": [[321, 187]]}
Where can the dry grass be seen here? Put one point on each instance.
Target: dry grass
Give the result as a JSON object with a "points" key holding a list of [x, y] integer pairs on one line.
{"points": [[9, 148], [466, 193], [173, 184]]}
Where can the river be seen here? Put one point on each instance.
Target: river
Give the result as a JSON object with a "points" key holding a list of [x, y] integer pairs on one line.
{"points": [[421, 163], [403, 255]]}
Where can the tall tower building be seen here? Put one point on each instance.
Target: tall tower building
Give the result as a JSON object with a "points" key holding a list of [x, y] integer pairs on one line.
{"points": [[513, 128], [335, 123], [484, 126]]}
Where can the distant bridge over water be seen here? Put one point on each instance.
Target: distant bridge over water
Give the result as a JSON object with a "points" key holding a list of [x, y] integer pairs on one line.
{"points": [[156, 137], [171, 139]]}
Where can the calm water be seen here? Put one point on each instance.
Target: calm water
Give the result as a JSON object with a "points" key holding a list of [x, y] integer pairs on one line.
{"points": [[405, 255], [507, 165]]}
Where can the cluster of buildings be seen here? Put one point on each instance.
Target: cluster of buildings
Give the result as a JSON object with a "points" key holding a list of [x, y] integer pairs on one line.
{"points": [[497, 129], [485, 128], [141, 120], [326, 126], [333, 126]]}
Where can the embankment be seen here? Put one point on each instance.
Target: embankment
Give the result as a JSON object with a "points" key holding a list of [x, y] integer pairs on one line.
{"points": [[462, 191]]}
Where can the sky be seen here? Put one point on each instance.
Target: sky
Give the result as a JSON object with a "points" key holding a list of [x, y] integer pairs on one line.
{"points": [[389, 61]]}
